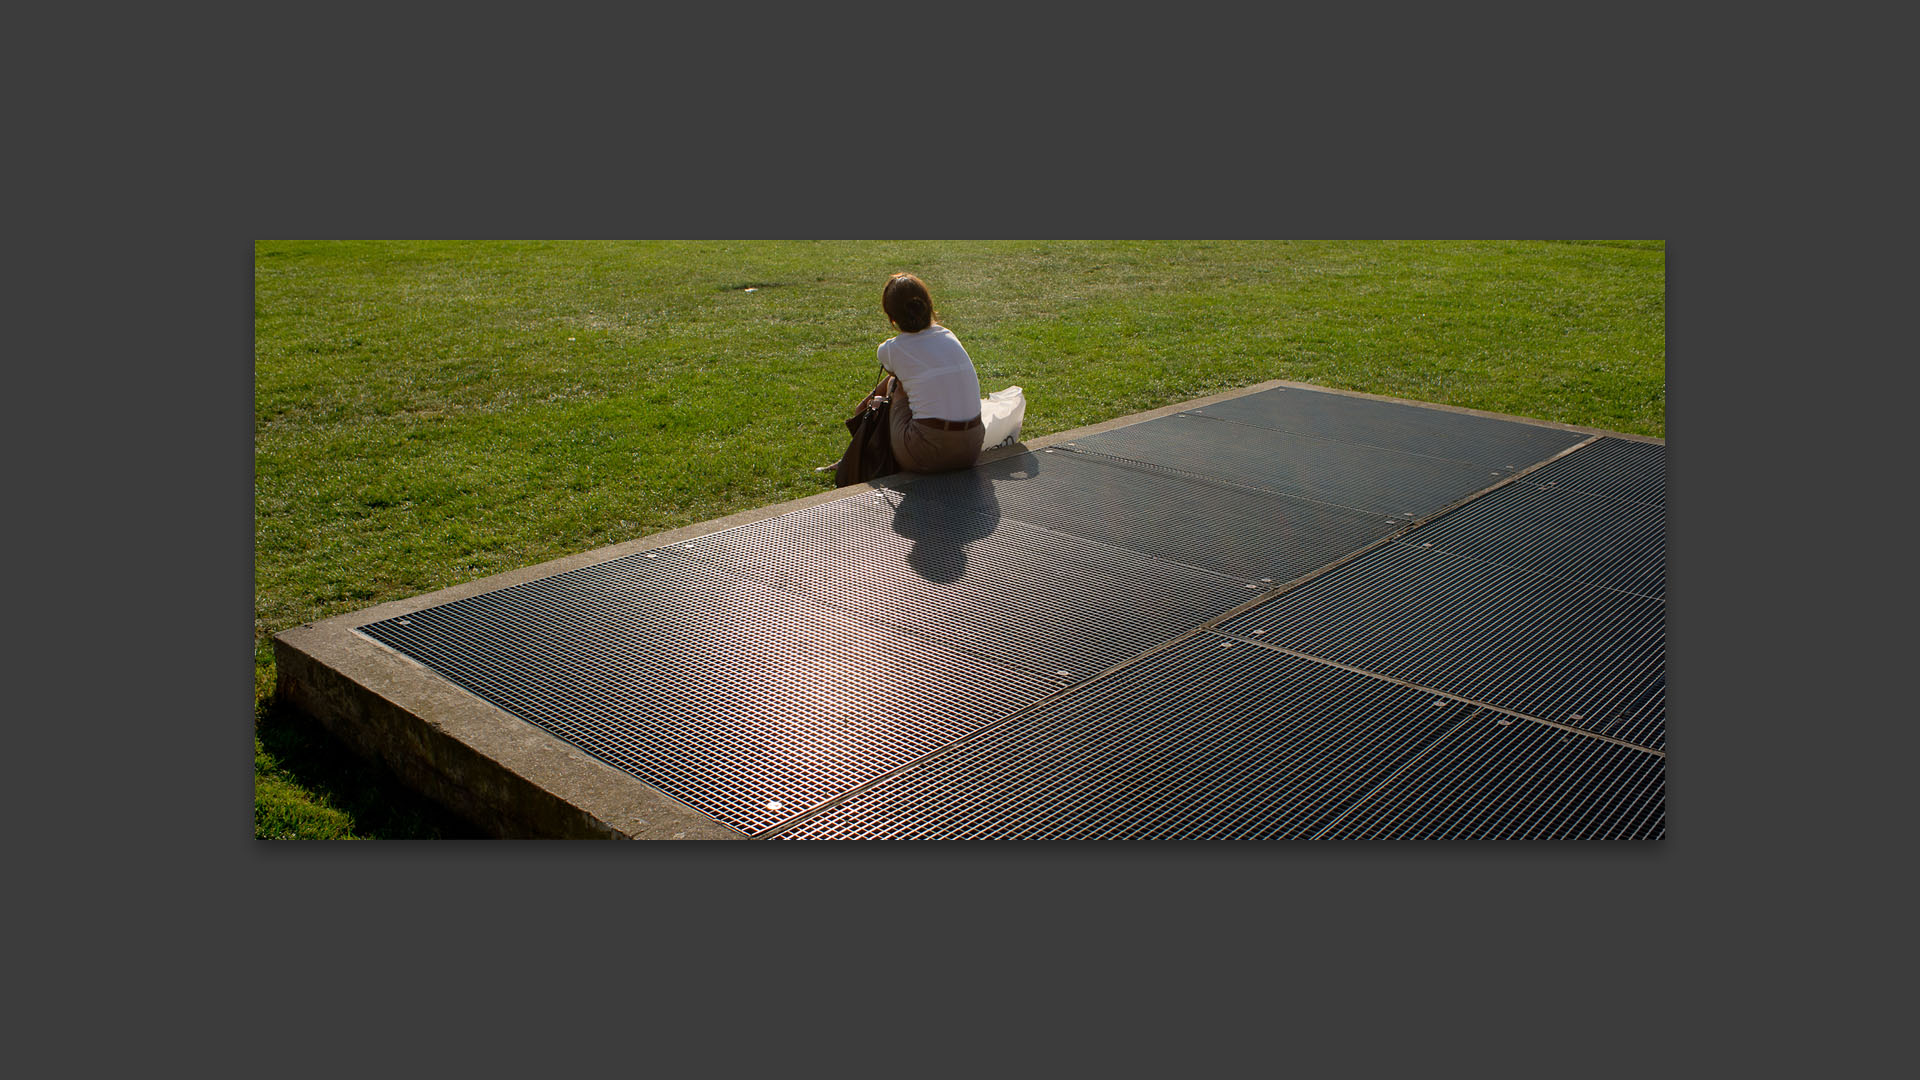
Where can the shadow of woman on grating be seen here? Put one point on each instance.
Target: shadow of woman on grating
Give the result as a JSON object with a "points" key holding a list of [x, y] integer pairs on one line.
{"points": [[941, 514]]}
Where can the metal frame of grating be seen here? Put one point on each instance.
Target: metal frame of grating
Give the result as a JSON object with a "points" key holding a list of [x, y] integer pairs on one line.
{"points": [[1494, 778], [1560, 533], [1288, 613], [1392, 483], [1390, 425], [1613, 468]]}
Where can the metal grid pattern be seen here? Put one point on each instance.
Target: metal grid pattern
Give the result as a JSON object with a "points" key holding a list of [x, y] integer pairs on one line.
{"points": [[738, 699], [1004, 590], [1409, 429], [1614, 468], [1549, 648], [1238, 531], [1559, 533], [1501, 779], [894, 648], [1387, 482], [758, 671], [1210, 739]]}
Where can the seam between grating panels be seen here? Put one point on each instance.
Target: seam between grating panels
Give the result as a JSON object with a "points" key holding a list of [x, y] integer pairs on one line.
{"points": [[1615, 451], [1137, 552], [1395, 775], [1410, 522], [1189, 474], [1343, 442], [1489, 706], [1542, 574], [1555, 485]]}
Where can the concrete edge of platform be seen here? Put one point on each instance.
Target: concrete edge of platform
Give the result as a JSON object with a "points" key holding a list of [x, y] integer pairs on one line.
{"points": [[514, 779], [508, 777]]}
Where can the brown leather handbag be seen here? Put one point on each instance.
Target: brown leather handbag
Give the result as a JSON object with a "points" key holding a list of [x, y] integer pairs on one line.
{"points": [[870, 453]]}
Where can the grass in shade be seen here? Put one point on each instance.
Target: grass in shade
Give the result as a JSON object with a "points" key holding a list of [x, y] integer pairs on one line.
{"points": [[428, 413]]}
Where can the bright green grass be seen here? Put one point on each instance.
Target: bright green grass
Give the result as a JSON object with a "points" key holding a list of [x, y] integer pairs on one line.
{"points": [[429, 413]]}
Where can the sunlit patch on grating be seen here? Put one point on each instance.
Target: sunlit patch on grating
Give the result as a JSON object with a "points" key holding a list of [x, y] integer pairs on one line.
{"points": [[1389, 425], [1234, 530], [1614, 468], [1210, 739], [1013, 593], [1517, 780], [1387, 482], [734, 696], [1558, 650], [1597, 541]]}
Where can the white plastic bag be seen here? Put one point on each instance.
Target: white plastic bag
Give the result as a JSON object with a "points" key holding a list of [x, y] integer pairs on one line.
{"points": [[1002, 413]]}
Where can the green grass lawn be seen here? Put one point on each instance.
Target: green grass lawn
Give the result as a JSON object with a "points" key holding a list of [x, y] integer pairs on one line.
{"points": [[427, 413]]}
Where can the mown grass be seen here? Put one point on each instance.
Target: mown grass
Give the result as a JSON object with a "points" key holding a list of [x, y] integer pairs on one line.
{"points": [[427, 413]]}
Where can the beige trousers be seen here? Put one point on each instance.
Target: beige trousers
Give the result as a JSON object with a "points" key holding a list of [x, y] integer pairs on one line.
{"points": [[919, 448]]}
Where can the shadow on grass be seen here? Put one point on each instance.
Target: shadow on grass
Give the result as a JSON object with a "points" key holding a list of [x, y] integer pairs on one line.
{"points": [[309, 786]]}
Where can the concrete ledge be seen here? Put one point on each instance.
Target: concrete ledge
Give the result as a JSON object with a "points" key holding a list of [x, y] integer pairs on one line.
{"points": [[505, 775]]}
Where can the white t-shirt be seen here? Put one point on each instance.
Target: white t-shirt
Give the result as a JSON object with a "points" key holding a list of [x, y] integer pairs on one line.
{"points": [[937, 373]]}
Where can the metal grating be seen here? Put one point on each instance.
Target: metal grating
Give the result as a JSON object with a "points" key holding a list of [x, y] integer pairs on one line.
{"points": [[755, 672], [737, 699], [1495, 780], [1409, 429], [1004, 590], [1242, 532], [1615, 468], [1559, 533], [1209, 739], [1549, 648], [913, 661], [1386, 482]]}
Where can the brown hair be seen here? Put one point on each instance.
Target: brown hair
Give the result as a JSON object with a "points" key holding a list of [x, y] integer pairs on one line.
{"points": [[907, 303]]}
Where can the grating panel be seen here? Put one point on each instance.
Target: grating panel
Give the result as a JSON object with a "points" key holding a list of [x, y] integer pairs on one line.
{"points": [[1238, 531], [1389, 425], [1558, 650], [730, 696], [1615, 468], [1001, 589], [1386, 482], [1209, 739], [1517, 780], [1559, 533]]}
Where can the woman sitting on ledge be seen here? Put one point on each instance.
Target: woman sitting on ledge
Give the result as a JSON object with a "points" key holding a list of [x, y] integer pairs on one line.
{"points": [[935, 402]]}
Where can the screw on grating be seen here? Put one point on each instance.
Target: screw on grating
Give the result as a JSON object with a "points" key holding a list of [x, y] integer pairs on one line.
{"points": [[776, 804]]}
